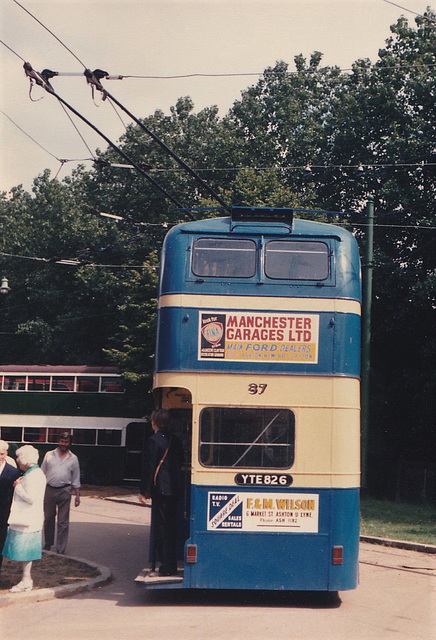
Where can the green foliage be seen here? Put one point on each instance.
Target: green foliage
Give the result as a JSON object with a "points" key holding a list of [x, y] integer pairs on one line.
{"points": [[295, 138], [263, 189]]}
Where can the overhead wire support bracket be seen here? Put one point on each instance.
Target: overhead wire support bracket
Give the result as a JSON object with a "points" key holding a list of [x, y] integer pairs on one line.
{"points": [[43, 81], [94, 77], [38, 78]]}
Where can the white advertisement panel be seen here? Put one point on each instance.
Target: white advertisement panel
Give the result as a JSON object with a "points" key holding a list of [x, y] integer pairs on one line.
{"points": [[257, 511]]}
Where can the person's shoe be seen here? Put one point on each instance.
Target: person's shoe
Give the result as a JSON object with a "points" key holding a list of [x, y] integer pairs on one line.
{"points": [[22, 586], [47, 547]]}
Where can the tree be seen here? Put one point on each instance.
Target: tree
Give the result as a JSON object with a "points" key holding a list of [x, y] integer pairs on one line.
{"points": [[315, 137]]}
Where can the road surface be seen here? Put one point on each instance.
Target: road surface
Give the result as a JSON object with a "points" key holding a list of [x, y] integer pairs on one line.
{"points": [[395, 599]]}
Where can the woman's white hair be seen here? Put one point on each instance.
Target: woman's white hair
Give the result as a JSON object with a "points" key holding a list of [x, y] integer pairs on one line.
{"points": [[27, 455]]}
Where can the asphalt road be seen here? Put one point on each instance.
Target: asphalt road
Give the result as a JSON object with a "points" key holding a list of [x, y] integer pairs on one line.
{"points": [[396, 597]]}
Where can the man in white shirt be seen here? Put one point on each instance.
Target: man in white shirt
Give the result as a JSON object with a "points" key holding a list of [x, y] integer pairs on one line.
{"points": [[62, 471]]}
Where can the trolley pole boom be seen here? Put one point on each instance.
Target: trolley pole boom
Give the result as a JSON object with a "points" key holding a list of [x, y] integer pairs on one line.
{"points": [[94, 77], [42, 80]]}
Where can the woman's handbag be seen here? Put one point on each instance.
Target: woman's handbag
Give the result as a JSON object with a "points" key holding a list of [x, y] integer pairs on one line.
{"points": [[161, 461]]}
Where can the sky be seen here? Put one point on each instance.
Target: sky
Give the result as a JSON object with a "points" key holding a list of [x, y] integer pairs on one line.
{"points": [[158, 38]]}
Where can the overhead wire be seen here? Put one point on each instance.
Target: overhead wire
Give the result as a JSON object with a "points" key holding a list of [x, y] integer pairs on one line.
{"points": [[49, 31], [44, 82], [95, 82], [165, 225], [73, 263], [93, 78], [31, 138], [77, 129], [186, 75], [261, 73], [374, 67], [12, 50], [409, 10], [307, 167], [417, 227], [112, 100], [218, 75], [61, 160]]}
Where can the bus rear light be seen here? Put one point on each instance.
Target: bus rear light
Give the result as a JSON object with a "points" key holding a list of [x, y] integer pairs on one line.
{"points": [[191, 554], [338, 555]]}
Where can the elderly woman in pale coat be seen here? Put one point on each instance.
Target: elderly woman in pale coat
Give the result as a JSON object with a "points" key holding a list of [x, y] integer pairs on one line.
{"points": [[24, 538]]}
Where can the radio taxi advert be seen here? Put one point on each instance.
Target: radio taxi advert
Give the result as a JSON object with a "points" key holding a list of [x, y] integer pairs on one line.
{"points": [[255, 511]]}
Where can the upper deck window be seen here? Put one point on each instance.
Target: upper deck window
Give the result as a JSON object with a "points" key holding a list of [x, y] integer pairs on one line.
{"points": [[296, 260], [81, 384], [38, 383], [62, 383], [87, 384], [112, 385], [14, 383], [220, 258]]}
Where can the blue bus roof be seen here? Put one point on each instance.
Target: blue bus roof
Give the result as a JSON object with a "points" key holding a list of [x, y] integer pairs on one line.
{"points": [[176, 277], [227, 225]]}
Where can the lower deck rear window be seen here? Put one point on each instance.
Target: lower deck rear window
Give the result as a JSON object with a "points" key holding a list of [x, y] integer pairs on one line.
{"points": [[247, 437]]}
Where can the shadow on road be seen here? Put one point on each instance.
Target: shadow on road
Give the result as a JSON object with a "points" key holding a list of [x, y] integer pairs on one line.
{"points": [[230, 598]]}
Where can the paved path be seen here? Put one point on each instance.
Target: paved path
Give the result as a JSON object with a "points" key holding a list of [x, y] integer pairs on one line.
{"points": [[395, 599]]}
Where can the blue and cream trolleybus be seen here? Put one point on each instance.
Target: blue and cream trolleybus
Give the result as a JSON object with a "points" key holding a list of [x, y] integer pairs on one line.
{"points": [[258, 360]]}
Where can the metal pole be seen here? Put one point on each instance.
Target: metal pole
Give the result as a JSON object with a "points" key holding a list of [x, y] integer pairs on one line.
{"points": [[367, 268]]}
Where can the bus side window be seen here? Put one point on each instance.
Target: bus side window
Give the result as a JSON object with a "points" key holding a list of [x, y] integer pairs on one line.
{"points": [[108, 437], [11, 434], [14, 383], [35, 434], [87, 384], [62, 383], [112, 385], [37, 383], [84, 436], [53, 434]]}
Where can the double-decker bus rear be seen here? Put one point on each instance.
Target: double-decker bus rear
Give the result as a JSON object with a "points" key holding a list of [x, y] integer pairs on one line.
{"points": [[258, 362]]}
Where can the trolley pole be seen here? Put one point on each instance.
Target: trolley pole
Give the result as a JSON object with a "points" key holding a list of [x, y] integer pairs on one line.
{"points": [[366, 336]]}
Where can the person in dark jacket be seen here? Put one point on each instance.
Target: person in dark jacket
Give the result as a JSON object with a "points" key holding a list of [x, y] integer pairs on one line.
{"points": [[8, 475], [161, 483]]}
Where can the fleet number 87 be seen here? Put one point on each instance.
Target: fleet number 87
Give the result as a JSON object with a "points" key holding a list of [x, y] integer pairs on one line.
{"points": [[256, 388]]}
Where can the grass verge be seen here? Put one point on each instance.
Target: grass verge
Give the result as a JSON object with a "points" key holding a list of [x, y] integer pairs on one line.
{"points": [[398, 520]]}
